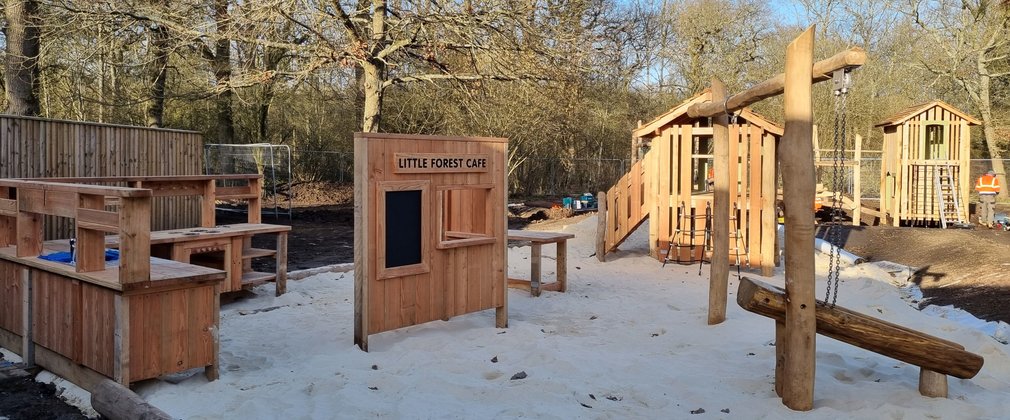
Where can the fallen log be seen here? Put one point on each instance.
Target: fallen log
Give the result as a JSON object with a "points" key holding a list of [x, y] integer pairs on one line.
{"points": [[117, 402], [882, 337]]}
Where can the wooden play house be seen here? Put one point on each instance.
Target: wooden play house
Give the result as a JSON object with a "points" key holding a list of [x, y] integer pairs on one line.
{"points": [[926, 153], [670, 186], [429, 230]]}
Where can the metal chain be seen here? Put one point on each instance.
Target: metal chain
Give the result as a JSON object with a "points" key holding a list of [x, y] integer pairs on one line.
{"points": [[833, 236]]}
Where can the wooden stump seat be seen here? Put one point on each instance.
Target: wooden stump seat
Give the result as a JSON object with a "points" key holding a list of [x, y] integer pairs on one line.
{"points": [[935, 356]]}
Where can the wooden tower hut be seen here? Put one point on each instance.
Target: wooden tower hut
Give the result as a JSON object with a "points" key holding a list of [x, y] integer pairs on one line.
{"points": [[925, 173], [668, 185]]}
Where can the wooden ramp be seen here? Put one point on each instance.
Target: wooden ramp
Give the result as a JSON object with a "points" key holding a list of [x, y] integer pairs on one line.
{"points": [[882, 337], [627, 206]]}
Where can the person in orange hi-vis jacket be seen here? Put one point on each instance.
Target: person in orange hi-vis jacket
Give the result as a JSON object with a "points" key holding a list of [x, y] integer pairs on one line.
{"points": [[987, 187], [710, 179]]}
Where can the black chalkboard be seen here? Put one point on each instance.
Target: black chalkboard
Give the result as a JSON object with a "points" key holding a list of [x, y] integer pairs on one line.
{"points": [[403, 228]]}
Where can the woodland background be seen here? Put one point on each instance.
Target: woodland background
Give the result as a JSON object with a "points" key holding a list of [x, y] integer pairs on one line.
{"points": [[565, 81]]}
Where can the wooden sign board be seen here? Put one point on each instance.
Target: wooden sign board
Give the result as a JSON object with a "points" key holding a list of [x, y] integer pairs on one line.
{"points": [[417, 163], [429, 230]]}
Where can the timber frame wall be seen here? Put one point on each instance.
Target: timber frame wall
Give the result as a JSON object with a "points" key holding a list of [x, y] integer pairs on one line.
{"points": [[907, 175], [32, 147], [429, 237], [663, 183], [133, 319]]}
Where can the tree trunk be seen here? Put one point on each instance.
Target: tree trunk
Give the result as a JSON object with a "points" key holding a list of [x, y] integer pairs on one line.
{"points": [[222, 73], [271, 60], [159, 74], [374, 73], [22, 64], [985, 110]]}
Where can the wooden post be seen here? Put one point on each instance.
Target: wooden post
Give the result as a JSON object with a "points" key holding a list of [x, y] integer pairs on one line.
{"points": [[29, 222], [361, 241], [719, 274], [816, 143], [134, 239], [213, 371], [121, 340], [601, 226], [562, 265], [535, 269], [207, 205], [769, 212], [281, 281], [798, 193], [780, 356], [254, 205], [857, 189], [8, 217], [27, 336], [964, 180], [90, 252], [932, 384]]}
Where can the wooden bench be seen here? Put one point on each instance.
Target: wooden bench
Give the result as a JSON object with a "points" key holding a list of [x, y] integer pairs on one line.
{"points": [[537, 239], [233, 243], [935, 356]]}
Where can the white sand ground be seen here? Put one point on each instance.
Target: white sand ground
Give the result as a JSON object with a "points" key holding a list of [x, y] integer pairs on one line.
{"points": [[629, 340]]}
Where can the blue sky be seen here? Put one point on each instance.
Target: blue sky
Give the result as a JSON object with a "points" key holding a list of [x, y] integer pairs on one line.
{"points": [[790, 12]]}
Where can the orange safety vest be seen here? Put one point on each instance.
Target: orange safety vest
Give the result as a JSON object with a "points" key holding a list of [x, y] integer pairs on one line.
{"points": [[987, 184]]}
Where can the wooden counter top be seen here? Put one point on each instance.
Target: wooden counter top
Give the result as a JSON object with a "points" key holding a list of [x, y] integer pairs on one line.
{"points": [[193, 234], [164, 273]]}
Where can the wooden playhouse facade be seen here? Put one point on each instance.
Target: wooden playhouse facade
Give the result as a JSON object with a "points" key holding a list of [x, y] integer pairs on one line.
{"points": [[926, 148], [668, 185]]}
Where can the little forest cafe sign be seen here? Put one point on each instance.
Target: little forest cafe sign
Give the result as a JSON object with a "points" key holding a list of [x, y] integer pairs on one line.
{"points": [[413, 163]]}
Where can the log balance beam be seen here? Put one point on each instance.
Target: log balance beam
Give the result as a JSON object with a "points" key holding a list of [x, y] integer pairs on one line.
{"points": [[935, 356]]}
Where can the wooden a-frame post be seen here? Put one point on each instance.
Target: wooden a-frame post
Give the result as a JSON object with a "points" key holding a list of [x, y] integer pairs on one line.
{"points": [[795, 338], [798, 191]]}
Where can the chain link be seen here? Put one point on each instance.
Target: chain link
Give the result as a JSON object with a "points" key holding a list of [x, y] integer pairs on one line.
{"points": [[834, 232]]}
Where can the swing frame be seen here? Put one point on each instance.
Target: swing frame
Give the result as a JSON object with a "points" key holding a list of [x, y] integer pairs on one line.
{"points": [[796, 327]]}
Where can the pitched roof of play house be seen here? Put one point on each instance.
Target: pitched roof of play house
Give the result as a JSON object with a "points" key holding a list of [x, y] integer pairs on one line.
{"points": [[901, 116], [679, 112]]}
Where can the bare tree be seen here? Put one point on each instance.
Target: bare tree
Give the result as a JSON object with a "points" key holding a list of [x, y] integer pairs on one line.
{"points": [[160, 48], [22, 61], [970, 46], [709, 38]]}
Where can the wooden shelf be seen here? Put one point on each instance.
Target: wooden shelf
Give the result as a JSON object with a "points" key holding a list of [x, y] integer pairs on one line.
{"points": [[256, 278], [257, 252]]}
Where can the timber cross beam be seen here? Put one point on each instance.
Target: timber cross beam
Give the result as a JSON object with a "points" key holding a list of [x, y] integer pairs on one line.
{"points": [[849, 59]]}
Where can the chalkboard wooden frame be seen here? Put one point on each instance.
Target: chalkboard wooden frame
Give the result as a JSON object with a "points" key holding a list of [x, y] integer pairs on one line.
{"points": [[380, 246]]}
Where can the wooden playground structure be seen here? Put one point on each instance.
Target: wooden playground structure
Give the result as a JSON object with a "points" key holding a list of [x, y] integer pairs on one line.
{"points": [[669, 186], [798, 316], [150, 311], [429, 230], [925, 174]]}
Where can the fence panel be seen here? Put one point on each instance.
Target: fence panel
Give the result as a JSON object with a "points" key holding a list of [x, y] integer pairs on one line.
{"points": [[33, 147]]}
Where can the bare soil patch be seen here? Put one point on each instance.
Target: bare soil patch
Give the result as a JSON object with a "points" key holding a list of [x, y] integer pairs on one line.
{"points": [[966, 268]]}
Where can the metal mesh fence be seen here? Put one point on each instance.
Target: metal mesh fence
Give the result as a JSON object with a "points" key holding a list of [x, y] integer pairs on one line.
{"points": [[869, 182], [549, 176], [270, 160], [543, 176]]}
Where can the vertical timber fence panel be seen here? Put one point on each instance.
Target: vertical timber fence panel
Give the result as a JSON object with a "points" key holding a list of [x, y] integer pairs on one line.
{"points": [[33, 147]]}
